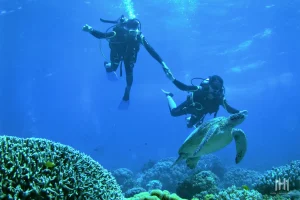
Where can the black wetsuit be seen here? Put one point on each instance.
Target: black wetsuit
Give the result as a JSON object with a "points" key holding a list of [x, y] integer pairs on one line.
{"points": [[198, 105], [125, 47]]}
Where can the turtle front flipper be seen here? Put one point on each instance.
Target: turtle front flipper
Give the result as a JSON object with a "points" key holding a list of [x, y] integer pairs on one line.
{"points": [[207, 136], [240, 144]]}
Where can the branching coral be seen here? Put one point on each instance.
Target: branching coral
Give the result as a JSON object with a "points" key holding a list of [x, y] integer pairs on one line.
{"points": [[24, 173]]}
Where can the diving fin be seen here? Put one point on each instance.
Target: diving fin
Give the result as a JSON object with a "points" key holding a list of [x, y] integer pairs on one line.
{"points": [[126, 94], [111, 76]]}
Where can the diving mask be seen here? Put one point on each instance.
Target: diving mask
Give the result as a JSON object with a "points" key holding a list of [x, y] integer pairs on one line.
{"points": [[215, 89], [133, 27]]}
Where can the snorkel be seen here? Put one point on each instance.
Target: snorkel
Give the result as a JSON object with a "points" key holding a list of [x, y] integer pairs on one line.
{"points": [[121, 19]]}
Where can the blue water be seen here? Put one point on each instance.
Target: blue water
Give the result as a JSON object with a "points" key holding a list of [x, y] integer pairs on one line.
{"points": [[53, 84]]}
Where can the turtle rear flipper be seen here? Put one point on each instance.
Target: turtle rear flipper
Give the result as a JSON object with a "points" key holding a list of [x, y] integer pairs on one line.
{"points": [[240, 144], [208, 135], [192, 162], [177, 161], [180, 158]]}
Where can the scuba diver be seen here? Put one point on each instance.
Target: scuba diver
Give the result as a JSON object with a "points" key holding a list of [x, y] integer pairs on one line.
{"points": [[124, 42], [205, 98]]}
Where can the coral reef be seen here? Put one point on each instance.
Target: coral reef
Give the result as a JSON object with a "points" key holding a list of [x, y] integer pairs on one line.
{"points": [[124, 178], [167, 175], [294, 194], [239, 176], [212, 163], [199, 185], [36, 168], [155, 195], [234, 193], [154, 185], [148, 165], [133, 191], [289, 173], [277, 197]]}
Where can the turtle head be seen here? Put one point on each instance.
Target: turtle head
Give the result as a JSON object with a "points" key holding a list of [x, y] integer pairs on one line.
{"points": [[238, 118]]}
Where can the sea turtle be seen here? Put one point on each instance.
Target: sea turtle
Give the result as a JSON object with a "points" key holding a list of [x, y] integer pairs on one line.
{"points": [[212, 136]]}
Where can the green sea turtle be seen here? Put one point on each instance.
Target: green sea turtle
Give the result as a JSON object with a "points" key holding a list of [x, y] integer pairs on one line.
{"points": [[212, 136]]}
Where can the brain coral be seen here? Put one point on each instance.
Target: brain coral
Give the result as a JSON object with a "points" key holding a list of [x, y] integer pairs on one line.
{"points": [[41, 169]]}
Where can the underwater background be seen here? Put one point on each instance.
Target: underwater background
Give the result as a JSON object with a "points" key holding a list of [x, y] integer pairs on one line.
{"points": [[53, 83]]}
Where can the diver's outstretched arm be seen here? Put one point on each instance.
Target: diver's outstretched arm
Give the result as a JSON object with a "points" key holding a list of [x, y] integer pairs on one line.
{"points": [[101, 35], [228, 108], [155, 55], [98, 34], [184, 87], [150, 49]]}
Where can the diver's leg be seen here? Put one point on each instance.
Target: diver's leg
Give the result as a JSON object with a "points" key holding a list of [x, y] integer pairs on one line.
{"points": [[113, 65], [129, 79], [180, 110], [171, 101]]}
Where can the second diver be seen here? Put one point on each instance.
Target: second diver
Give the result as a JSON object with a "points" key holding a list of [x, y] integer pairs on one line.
{"points": [[124, 42]]}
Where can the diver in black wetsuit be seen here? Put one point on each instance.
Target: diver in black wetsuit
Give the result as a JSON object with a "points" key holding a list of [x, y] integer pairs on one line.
{"points": [[124, 42], [203, 99]]}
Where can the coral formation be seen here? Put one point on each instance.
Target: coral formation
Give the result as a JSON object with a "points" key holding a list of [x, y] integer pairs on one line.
{"points": [[133, 191], [199, 184], [212, 163], [154, 185], [290, 172], [74, 175], [239, 177], [233, 193], [148, 165], [167, 175], [124, 178], [155, 195]]}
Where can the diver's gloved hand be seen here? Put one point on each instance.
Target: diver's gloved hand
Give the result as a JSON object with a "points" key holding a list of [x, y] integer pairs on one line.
{"points": [[87, 28], [168, 72]]}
